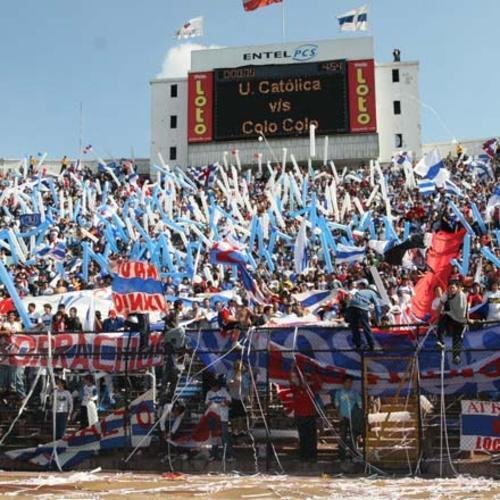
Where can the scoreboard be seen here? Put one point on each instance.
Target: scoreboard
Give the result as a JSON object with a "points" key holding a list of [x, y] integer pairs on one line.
{"points": [[230, 104], [280, 101]]}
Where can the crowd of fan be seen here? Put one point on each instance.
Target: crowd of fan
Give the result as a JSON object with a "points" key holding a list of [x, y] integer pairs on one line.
{"points": [[41, 276]]}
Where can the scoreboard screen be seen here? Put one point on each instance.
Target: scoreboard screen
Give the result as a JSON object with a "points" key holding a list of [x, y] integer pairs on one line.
{"points": [[231, 104], [280, 100]]}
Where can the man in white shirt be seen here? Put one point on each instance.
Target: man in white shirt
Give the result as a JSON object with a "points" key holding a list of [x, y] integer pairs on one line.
{"points": [[46, 318], [63, 402], [34, 316], [218, 401]]}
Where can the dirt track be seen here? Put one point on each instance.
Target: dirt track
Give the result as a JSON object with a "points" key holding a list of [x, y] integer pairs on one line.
{"points": [[141, 486]]}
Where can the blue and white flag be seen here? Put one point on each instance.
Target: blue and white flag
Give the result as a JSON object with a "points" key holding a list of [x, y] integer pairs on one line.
{"points": [[451, 188], [57, 253], [354, 20], [300, 255], [403, 158], [426, 188], [430, 165], [481, 168], [347, 253]]}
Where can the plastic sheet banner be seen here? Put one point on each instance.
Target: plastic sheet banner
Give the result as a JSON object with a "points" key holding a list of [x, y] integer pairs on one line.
{"points": [[329, 353], [81, 351], [480, 426], [111, 432]]}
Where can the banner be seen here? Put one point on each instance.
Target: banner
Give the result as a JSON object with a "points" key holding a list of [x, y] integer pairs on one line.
{"points": [[136, 288], [200, 102], [329, 353], [81, 351], [480, 426], [362, 110], [444, 248], [109, 433]]}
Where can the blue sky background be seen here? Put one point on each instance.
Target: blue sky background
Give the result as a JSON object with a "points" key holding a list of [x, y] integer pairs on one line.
{"points": [[56, 53]]}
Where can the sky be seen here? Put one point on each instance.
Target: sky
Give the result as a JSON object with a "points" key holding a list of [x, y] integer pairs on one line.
{"points": [[57, 54]]}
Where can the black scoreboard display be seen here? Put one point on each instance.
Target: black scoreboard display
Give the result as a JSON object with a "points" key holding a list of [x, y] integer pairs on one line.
{"points": [[280, 100]]}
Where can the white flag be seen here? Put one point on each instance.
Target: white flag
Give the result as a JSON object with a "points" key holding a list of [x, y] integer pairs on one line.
{"points": [[354, 20], [192, 28]]}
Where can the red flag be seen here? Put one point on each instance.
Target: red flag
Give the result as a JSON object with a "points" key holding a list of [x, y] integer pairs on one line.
{"points": [[444, 248], [249, 5]]}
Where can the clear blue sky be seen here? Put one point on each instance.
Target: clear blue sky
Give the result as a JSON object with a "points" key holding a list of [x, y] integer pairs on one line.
{"points": [[56, 53]]}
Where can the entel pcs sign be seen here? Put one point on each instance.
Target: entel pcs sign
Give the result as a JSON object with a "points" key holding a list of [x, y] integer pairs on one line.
{"points": [[305, 52], [200, 104]]}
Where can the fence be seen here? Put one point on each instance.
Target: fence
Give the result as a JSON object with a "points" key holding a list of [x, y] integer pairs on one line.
{"points": [[411, 395]]}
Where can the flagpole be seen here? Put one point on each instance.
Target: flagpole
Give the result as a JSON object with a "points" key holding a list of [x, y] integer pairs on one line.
{"points": [[283, 19], [80, 138]]}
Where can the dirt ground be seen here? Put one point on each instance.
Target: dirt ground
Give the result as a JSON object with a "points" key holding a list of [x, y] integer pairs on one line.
{"points": [[80, 485]]}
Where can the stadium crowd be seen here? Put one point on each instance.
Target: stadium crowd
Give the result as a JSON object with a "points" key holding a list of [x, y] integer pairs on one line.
{"points": [[115, 212]]}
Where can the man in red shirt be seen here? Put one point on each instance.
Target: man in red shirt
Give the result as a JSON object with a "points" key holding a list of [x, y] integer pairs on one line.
{"points": [[305, 413]]}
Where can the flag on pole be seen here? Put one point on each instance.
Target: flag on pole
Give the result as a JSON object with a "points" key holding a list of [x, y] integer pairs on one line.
{"points": [[348, 253], [426, 188], [354, 20], [191, 28], [451, 188], [490, 147], [403, 158], [250, 5], [430, 165]]}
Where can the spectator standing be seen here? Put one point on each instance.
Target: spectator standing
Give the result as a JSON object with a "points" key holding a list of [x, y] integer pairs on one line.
{"points": [[73, 323], [304, 408], [88, 405], [112, 323], [453, 318], [358, 314], [217, 402], [347, 401], [63, 401]]}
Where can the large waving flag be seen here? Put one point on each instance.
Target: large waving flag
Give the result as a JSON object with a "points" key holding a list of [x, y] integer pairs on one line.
{"points": [[430, 165], [354, 20], [225, 252], [250, 5], [444, 248], [228, 253], [136, 288]]}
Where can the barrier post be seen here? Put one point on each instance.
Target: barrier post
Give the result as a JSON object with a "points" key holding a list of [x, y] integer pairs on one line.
{"points": [[268, 401]]}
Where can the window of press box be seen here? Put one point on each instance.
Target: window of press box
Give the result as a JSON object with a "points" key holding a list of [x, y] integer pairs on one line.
{"points": [[173, 153], [397, 107], [398, 140], [173, 90], [173, 121]]}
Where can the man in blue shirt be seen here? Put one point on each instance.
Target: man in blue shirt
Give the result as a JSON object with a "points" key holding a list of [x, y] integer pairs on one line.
{"points": [[358, 313], [347, 401]]}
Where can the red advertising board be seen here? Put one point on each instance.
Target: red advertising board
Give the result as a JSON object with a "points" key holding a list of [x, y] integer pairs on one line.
{"points": [[200, 103], [362, 112]]}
